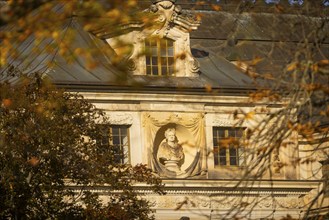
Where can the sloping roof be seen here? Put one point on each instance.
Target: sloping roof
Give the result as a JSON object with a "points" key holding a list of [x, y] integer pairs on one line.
{"points": [[215, 71], [221, 38]]}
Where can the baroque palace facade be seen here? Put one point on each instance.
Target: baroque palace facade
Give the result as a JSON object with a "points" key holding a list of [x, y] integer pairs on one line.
{"points": [[175, 108]]}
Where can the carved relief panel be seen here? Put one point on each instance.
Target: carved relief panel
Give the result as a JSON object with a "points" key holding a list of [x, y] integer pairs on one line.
{"points": [[175, 144]]}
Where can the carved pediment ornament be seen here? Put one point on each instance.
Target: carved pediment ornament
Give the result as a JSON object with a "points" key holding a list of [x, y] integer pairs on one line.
{"points": [[172, 15]]}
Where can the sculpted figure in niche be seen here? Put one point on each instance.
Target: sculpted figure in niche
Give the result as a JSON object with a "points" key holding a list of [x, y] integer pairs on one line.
{"points": [[170, 153]]}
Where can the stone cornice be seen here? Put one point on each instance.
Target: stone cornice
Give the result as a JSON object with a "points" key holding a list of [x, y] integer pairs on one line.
{"points": [[219, 188]]}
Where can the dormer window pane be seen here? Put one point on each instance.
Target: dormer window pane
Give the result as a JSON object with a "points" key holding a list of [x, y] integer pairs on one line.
{"points": [[159, 57]]}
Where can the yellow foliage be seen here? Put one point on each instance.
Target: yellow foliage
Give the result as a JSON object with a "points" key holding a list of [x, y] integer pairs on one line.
{"points": [[216, 7], [55, 35], [114, 13], [208, 87], [292, 66], [250, 115], [323, 62], [33, 161], [7, 102], [255, 61]]}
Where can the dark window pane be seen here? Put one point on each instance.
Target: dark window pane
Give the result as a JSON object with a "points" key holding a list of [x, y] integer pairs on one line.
{"points": [[124, 140], [153, 42], [171, 71], [123, 131], [155, 71], [154, 52], [231, 132], [148, 70], [221, 133], [222, 160], [222, 152], [148, 60], [164, 70], [163, 61], [115, 131], [116, 140], [233, 152], [154, 61], [163, 52], [170, 61], [233, 161], [170, 52], [216, 155], [233, 156], [170, 43], [147, 43], [163, 43], [215, 142], [239, 133]]}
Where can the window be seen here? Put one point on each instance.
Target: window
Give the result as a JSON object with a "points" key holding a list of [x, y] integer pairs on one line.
{"points": [[116, 140], [227, 149], [159, 57]]}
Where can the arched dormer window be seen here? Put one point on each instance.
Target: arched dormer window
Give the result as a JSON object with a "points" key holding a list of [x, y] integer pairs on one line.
{"points": [[159, 57]]}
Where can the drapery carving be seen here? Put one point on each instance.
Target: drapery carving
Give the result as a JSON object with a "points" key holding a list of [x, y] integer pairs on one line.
{"points": [[189, 128]]}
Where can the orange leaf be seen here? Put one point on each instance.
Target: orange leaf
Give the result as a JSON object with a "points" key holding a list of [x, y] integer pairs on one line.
{"points": [[249, 115], [7, 102], [208, 87], [216, 7], [33, 161], [323, 62], [291, 66]]}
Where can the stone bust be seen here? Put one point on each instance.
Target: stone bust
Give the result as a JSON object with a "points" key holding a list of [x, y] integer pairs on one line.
{"points": [[170, 152]]}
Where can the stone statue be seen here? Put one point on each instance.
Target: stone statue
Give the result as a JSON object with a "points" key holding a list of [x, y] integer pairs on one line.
{"points": [[170, 153]]}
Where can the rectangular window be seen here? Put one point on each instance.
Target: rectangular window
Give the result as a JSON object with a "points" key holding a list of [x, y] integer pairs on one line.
{"points": [[159, 57], [227, 148], [115, 140]]}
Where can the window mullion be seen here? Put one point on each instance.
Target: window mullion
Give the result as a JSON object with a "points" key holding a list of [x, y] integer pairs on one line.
{"points": [[159, 56]]}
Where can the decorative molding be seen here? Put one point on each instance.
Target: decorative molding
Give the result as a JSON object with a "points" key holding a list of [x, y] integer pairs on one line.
{"points": [[224, 122], [120, 118]]}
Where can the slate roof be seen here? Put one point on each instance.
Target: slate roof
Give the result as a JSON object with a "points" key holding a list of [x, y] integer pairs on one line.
{"points": [[221, 38], [215, 71]]}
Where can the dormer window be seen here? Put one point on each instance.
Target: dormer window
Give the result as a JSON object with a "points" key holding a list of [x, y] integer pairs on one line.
{"points": [[159, 57], [159, 50]]}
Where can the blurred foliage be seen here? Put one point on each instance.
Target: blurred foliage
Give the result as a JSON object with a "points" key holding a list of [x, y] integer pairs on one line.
{"points": [[52, 22], [48, 148]]}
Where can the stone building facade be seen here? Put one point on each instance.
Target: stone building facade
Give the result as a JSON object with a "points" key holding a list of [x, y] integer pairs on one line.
{"points": [[177, 105]]}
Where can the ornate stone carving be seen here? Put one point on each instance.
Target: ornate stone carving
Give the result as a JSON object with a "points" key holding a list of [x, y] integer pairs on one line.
{"points": [[120, 119], [174, 15], [170, 152], [277, 163], [176, 144], [265, 202], [222, 122], [131, 64], [194, 66]]}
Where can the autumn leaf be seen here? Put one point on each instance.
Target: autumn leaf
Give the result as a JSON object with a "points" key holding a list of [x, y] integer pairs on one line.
{"points": [[250, 115], [208, 87], [7, 102], [216, 7], [33, 161], [279, 8], [292, 66], [255, 61], [323, 62]]}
